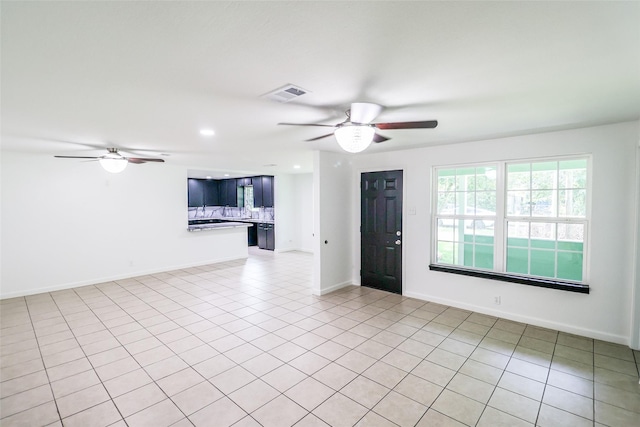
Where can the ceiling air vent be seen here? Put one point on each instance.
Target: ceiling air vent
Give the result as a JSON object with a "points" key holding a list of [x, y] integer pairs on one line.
{"points": [[285, 93]]}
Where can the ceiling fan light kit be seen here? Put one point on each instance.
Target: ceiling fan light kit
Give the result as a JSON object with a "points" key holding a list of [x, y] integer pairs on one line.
{"points": [[113, 161], [357, 132], [353, 137]]}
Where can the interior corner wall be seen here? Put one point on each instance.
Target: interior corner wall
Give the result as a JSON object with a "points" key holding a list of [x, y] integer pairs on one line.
{"points": [[635, 310], [303, 195], [284, 210], [332, 222], [606, 312], [68, 223]]}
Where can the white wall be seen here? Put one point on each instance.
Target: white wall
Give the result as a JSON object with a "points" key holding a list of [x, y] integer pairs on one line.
{"points": [[303, 190], [332, 188], [606, 312], [635, 311], [294, 212], [67, 223], [284, 210]]}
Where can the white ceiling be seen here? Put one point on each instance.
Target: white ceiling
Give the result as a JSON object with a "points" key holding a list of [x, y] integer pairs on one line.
{"points": [[148, 75]]}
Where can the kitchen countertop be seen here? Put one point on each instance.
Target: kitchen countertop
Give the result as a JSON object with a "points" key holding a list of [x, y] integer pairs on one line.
{"points": [[217, 226], [243, 220]]}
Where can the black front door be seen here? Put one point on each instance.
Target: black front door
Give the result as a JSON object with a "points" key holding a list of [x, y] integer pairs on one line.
{"points": [[381, 230]]}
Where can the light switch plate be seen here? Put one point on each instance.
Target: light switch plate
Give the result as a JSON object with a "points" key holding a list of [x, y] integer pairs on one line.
{"points": [[412, 210]]}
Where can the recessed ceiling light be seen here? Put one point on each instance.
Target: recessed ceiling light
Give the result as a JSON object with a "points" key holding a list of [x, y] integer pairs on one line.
{"points": [[208, 177], [226, 174], [296, 166], [207, 132]]}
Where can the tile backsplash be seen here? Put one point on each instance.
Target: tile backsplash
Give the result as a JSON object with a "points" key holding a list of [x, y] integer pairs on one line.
{"points": [[205, 212]]}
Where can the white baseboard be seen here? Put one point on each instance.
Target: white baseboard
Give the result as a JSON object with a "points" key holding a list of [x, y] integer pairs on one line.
{"points": [[333, 288], [128, 275], [534, 321], [294, 250]]}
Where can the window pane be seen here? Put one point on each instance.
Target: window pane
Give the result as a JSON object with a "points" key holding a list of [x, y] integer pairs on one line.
{"points": [[542, 203], [543, 175], [573, 174], [484, 256], [486, 203], [486, 178], [543, 235], [518, 203], [571, 232], [518, 176], [518, 234], [446, 203], [570, 266], [543, 263], [464, 178], [469, 204], [445, 252], [483, 237], [572, 203], [446, 180], [518, 260]]}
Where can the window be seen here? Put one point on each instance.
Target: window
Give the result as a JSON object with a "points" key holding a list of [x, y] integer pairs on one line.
{"points": [[515, 219]]}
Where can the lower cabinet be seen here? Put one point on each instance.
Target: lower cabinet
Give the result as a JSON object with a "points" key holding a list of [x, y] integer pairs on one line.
{"points": [[252, 235], [266, 236]]}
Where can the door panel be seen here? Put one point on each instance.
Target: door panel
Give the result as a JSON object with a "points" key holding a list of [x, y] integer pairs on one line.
{"points": [[381, 221]]}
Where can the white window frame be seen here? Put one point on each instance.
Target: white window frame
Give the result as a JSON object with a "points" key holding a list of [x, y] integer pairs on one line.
{"points": [[502, 219]]}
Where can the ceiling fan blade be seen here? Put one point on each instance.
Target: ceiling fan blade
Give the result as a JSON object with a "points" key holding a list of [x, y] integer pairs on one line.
{"points": [[428, 124], [319, 137], [76, 157], [364, 112], [379, 138], [306, 124], [139, 160]]}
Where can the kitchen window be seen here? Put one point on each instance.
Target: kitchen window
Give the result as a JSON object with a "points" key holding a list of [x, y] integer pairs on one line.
{"points": [[518, 221]]}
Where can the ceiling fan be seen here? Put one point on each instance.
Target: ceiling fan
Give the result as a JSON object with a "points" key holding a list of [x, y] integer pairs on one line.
{"points": [[357, 132], [113, 161]]}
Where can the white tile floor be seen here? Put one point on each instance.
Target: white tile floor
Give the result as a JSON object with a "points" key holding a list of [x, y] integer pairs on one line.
{"points": [[244, 343]]}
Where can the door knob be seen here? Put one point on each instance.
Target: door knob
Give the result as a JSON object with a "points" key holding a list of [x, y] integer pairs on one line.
{"points": [[398, 242]]}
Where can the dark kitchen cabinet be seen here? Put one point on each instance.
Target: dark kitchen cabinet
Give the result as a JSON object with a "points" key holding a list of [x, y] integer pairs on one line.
{"points": [[271, 237], [257, 191], [211, 193], [266, 236], [232, 195], [262, 191], [252, 235], [267, 191], [227, 193], [195, 191]]}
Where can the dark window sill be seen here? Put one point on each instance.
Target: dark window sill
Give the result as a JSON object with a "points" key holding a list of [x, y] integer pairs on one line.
{"points": [[531, 281]]}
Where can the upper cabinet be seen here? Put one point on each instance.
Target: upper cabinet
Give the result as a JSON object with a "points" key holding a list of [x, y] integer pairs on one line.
{"points": [[196, 192], [228, 195], [211, 192], [267, 191], [257, 191], [262, 191], [224, 192]]}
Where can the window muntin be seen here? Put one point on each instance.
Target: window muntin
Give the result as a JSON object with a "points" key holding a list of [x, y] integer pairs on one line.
{"points": [[543, 231]]}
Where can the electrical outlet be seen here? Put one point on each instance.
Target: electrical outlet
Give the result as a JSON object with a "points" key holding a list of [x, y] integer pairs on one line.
{"points": [[497, 300]]}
